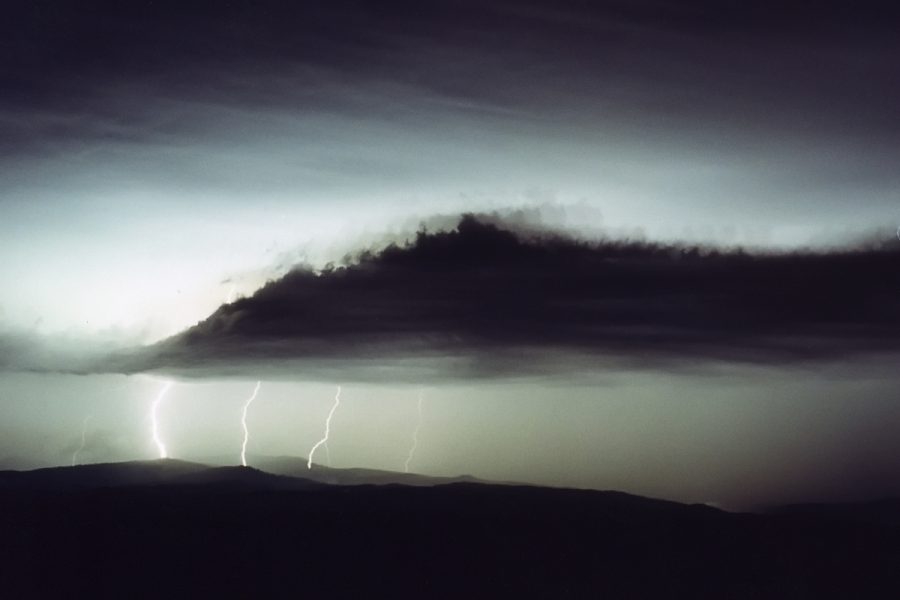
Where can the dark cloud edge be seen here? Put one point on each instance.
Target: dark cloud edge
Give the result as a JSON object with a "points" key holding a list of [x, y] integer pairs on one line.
{"points": [[498, 296], [483, 300]]}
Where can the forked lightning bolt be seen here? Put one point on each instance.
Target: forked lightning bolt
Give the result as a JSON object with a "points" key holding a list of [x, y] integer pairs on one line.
{"points": [[244, 423], [84, 426], [155, 424], [324, 440], [415, 436]]}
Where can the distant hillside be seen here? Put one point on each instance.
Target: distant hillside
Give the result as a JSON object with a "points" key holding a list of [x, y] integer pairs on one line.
{"points": [[287, 472], [882, 512], [295, 466], [143, 473], [100, 475], [163, 529]]}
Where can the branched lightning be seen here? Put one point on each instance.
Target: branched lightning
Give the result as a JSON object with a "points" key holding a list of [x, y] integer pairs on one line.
{"points": [[84, 426], [415, 435], [153, 409], [244, 423], [324, 440]]}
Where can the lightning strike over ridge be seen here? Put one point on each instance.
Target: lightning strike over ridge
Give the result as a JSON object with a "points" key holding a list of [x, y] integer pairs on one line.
{"points": [[415, 435], [155, 423], [84, 425], [324, 440], [244, 423]]}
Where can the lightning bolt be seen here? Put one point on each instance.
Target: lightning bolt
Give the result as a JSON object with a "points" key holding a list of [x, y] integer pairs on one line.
{"points": [[324, 440], [244, 423], [155, 424], [415, 435], [83, 439]]}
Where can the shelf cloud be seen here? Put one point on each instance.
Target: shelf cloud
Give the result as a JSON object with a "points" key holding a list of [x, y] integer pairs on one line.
{"points": [[483, 300]]}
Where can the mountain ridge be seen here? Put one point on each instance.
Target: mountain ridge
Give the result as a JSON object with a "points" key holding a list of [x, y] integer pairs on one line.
{"points": [[192, 530]]}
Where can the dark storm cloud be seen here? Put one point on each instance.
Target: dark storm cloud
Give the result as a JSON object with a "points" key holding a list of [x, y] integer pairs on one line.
{"points": [[102, 70], [492, 302]]}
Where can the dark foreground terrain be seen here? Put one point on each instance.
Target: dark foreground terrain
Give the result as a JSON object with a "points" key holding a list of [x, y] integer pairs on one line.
{"points": [[169, 529]]}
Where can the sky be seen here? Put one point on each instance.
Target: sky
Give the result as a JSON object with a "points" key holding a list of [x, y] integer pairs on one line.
{"points": [[161, 162]]}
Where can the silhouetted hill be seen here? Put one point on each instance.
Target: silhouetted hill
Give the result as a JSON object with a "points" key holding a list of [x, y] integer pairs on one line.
{"points": [[294, 466], [879, 512], [100, 475], [174, 529], [142, 473], [243, 476]]}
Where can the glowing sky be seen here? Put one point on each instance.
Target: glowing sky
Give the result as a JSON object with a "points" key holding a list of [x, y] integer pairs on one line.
{"points": [[152, 151], [159, 158]]}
